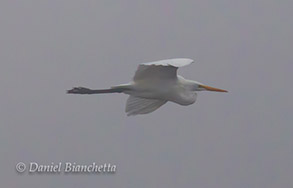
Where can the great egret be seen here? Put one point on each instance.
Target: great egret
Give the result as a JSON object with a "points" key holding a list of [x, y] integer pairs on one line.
{"points": [[154, 84]]}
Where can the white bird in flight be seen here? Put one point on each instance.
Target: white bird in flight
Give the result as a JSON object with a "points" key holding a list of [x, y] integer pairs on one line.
{"points": [[154, 84]]}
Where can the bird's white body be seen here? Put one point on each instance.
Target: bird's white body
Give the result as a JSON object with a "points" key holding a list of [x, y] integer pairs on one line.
{"points": [[177, 90], [154, 84]]}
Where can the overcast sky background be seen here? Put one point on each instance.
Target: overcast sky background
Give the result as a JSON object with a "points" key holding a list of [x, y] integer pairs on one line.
{"points": [[238, 139]]}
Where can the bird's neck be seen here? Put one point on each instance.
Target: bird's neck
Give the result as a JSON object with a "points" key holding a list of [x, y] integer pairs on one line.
{"points": [[190, 84]]}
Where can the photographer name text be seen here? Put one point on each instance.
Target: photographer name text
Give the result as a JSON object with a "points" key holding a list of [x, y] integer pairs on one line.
{"points": [[66, 167]]}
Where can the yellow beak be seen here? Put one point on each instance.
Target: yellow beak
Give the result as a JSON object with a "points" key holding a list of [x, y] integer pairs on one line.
{"points": [[212, 88]]}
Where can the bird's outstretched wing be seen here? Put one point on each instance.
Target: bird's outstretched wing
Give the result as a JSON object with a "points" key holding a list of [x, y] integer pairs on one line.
{"points": [[164, 69], [138, 105]]}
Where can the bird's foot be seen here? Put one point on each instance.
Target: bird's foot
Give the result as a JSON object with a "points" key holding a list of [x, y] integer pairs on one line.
{"points": [[79, 90]]}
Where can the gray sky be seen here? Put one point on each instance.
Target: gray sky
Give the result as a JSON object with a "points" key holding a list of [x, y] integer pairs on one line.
{"points": [[239, 139]]}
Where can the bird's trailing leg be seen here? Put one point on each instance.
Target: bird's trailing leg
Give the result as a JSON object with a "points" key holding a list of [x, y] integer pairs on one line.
{"points": [[83, 90], [80, 90]]}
